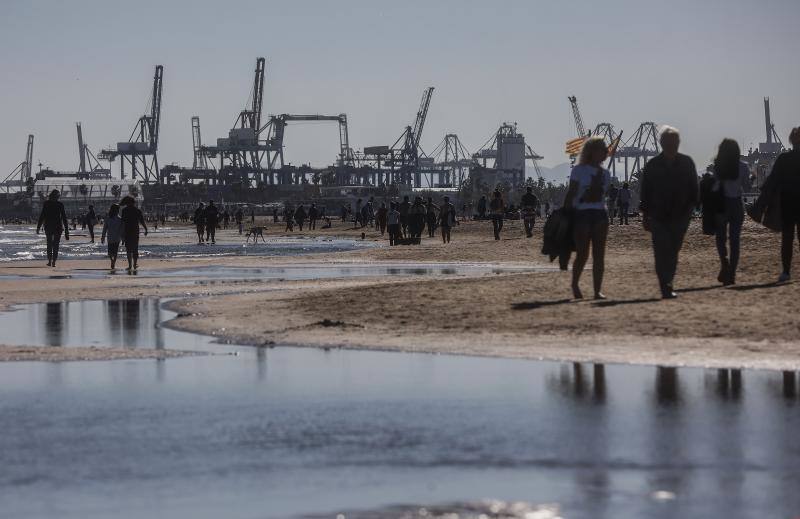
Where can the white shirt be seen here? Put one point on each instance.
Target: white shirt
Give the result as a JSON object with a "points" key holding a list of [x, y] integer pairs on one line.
{"points": [[735, 188], [593, 184]]}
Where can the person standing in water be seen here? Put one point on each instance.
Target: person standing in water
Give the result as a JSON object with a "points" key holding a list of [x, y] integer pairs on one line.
{"points": [[588, 187], [112, 229], [91, 221], [199, 222], [132, 217], [54, 219]]}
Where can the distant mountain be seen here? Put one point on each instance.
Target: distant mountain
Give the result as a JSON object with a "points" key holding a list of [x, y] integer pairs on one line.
{"points": [[557, 174]]}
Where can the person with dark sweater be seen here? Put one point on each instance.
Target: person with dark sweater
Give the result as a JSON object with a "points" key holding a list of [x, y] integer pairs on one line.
{"points": [[669, 195], [132, 217], [784, 184], [54, 219]]}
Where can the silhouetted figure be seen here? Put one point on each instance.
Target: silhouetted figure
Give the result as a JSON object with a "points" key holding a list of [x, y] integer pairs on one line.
{"points": [[624, 203], [132, 218], [380, 218], [447, 218], [91, 221], [669, 194], [404, 207], [212, 221], [313, 216], [55, 222], [430, 217], [112, 230], [588, 184], [529, 204], [393, 224], [497, 209], [667, 388], [300, 216], [239, 216], [482, 203], [200, 222], [783, 186], [416, 218], [730, 175]]}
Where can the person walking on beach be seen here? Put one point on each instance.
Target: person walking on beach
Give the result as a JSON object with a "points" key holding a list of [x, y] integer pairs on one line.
{"points": [[112, 230], [482, 207], [300, 216], [199, 222], [132, 218], [669, 195], [313, 215], [430, 217], [393, 223], [239, 216], [212, 221], [416, 217], [730, 174], [624, 203], [54, 219], [288, 217], [588, 186], [447, 218], [613, 193], [91, 221], [783, 184], [497, 209], [381, 218], [529, 205], [405, 207]]}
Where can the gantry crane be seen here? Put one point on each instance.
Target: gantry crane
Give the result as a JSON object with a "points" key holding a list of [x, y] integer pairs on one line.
{"points": [[141, 149], [407, 154], [573, 146], [23, 169], [85, 156]]}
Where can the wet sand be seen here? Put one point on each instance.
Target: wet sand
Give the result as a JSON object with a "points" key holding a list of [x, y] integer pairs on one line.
{"points": [[525, 315], [56, 354]]}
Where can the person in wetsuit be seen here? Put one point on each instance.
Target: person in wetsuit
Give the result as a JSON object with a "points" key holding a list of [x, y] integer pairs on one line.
{"points": [[132, 217], [55, 222]]}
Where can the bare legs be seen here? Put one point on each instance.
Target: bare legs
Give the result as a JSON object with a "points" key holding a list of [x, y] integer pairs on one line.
{"points": [[590, 232]]}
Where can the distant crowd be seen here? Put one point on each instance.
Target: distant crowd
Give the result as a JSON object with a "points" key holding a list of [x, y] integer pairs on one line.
{"points": [[670, 194]]}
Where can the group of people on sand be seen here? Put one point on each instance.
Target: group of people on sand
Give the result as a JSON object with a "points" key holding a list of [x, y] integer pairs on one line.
{"points": [[669, 195], [120, 227], [208, 218]]}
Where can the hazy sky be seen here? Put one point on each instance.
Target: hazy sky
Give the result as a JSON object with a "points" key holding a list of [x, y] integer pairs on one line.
{"points": [[702, 66]]}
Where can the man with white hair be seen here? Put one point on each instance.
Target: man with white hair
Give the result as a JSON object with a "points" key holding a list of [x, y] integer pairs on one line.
{"points": [[669, 194]]}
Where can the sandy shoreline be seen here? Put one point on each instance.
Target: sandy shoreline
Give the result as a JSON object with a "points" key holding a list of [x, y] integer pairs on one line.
{"points": [[516, 315]]}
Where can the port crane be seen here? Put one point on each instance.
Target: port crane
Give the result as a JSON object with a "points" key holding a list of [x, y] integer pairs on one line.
{"points": [[573, 146], [85, 156], [23, 169], [141, 149], [406, 150]]}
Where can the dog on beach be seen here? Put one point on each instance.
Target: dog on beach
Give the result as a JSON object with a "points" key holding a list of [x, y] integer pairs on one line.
{"points": [[255, 232]]}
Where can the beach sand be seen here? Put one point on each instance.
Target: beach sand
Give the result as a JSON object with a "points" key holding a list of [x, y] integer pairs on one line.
{"points": [[520, 315]]}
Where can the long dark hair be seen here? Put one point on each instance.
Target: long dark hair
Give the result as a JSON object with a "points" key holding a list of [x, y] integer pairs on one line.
{"points": [[726, 164], [113, 210]]}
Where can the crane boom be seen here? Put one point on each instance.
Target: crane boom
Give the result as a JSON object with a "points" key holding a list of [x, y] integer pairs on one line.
{"points": [[576, 113], [81, 150]]}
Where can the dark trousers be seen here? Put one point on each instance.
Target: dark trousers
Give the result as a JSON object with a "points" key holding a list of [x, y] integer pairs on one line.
{"points": [[530, 221], [431, 221], [497, 225], [730, 229], [667, 242], [91, 232], [790, 223], [623, 213], [132, 249], [53, 239], [445, 234], [312, 224], [394, 234]]}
